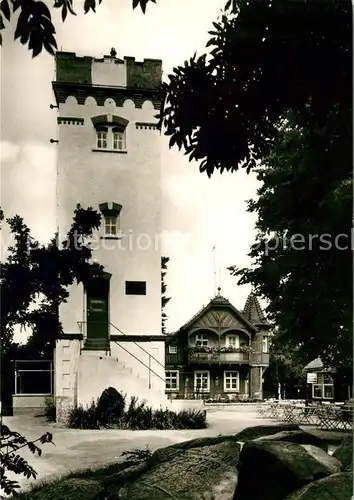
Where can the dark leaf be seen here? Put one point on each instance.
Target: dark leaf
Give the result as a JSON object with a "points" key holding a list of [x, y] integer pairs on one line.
{"points": [[5, 9], [64, 12]]}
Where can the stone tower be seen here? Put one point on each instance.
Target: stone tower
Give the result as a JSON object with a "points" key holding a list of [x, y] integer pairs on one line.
{"points": [[109, 159]]}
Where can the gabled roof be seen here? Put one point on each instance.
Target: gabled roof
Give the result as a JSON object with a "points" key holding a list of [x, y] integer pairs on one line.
{"points": [[317, 365], [219, 301], [253, 311]]}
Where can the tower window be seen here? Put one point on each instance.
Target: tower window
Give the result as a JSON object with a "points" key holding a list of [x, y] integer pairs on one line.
{"points": [[101, 136], [118, 140], [135, 288], [110, 133], [111, 224], [111, 219]]}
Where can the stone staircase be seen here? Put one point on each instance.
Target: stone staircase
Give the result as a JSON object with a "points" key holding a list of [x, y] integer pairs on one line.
{"points": [[98, 370], [96, 345]]}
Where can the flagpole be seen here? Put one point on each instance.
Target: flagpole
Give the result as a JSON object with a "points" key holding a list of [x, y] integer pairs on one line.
{"points": [[214, 250]]}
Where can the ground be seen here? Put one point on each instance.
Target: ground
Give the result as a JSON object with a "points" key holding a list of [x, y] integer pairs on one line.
{"points": [[79, 449]]}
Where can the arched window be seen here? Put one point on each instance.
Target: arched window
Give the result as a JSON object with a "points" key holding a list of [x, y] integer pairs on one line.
{"points": [[110, 133]]}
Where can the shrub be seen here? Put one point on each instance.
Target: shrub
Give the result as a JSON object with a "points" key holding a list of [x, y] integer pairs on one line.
{"points": [[136, 457], [84, 418], [50, 410], [11, 461], [110, 406], [109, 411], [191, 419]]}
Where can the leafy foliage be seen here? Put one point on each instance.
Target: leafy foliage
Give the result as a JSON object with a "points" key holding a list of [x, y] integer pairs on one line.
{"points": [[267, 58], [136, 457], [164, 300], [110, 406], [50, 410], [11, 461], [137, 416], [39, 275], [34, 24], [84, 418], [286, 367], [302, 257], [34, 271]]}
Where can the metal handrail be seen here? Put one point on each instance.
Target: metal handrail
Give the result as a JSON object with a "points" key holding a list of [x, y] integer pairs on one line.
{"points": [[141, 362], [157, 361]]}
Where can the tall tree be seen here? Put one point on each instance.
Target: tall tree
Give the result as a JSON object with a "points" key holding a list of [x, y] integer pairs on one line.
{"points": [[35, 273], [34, 25], [268, 57], [34, 282], [285, 376], [302, 257], [164, 300]]}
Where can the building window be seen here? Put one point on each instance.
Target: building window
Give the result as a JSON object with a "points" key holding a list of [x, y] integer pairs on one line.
{"points": [[111, 225], [201, 339], [172, 380], [101, 136], [323, 388], [111, 215], [172, 349], [110, 132], [33, 377], [135, 288], [231, 381], [233, 341], [118, 140], [201, 381], [265, 345]]}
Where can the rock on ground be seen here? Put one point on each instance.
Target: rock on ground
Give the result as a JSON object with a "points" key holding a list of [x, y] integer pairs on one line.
{"points": [[251, 433], [70, 489], [298, 437], [272, 469], [169, 452], [201, 473], [330, 462], [344, 453], [334, 487]]}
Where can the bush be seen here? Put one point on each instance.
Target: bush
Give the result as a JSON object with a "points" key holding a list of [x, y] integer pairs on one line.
{"points": [[191, 419], [50, 410], [110, 406], [109, 411], [84, 418]]}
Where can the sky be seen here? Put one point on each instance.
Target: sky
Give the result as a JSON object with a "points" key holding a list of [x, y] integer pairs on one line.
{"points": [[198, 212]]}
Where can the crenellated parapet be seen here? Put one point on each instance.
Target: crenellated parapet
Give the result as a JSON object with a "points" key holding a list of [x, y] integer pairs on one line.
{"points": [[109, 77]]}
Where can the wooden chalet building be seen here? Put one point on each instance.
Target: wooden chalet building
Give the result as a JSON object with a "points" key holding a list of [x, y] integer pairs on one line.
{"points": [[220, 354]]}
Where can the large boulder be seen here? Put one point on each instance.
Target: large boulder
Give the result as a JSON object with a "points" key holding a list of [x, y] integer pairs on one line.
{"points": [[272, 469], [164, 454], [334, 487], [298, 437], [70, 489], [344, 453], [258, 431], [169, 452], [193, 474], [330, 462]]}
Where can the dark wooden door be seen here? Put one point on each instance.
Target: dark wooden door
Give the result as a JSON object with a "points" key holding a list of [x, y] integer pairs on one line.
{"points": [[97, 294]]}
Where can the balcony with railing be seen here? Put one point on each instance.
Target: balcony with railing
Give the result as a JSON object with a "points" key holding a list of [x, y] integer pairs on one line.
{"points": [[218, 355]]}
